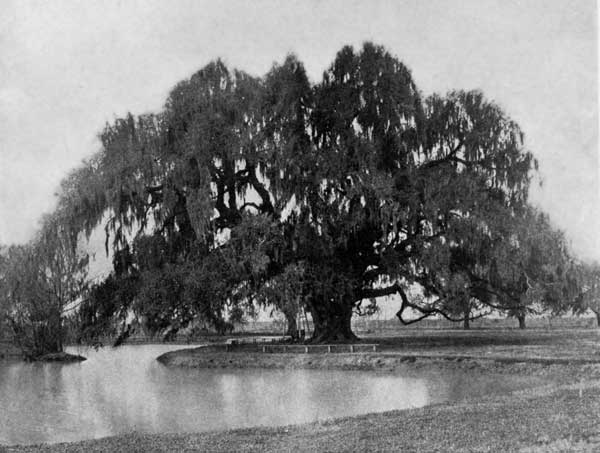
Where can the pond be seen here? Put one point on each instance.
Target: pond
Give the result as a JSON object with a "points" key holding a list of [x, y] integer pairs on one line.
{"points": [[126, 389]]}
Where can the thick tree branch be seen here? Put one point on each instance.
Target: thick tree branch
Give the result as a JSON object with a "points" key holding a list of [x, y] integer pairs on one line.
{"points": [[371, 293], [266, 206], [250, 204], [427, 311], [447, 158]]}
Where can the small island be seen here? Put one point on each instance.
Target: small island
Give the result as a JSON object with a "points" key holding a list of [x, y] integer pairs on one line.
{"points": [[63, 357]]}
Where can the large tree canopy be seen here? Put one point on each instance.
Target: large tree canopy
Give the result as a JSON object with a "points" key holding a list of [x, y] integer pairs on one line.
{"points": [[245, 189]]}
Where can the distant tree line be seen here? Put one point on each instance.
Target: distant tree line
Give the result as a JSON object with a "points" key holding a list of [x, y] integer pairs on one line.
{"points": [[246, 193]]}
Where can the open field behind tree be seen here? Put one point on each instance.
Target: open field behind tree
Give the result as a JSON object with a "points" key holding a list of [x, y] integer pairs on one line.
{"points": [[372, 327], [370, 324]]}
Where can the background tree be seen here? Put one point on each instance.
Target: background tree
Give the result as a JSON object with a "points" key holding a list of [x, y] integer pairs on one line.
{"points": [[534, 268], [41, 280], [588, 277]]}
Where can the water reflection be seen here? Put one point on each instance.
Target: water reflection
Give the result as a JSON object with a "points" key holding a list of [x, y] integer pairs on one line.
{"points": [[125, 389]]}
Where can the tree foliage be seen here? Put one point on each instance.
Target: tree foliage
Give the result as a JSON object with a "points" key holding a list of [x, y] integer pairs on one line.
{"points": [[246, 192], [588, 279], [39, 282]]}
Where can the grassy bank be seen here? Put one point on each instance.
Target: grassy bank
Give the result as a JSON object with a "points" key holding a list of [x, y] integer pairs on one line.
{"points": [[506, 347], [556, 409]]}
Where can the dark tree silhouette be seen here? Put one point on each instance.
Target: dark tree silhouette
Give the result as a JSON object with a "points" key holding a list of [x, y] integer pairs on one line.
{"points": [[246, 189]]}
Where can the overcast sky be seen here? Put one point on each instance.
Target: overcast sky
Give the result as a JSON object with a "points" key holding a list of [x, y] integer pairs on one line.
{"points": [[67, 67]]}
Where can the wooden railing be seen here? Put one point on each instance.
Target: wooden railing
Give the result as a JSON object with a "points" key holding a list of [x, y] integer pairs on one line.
{"points": [[316, 348]]}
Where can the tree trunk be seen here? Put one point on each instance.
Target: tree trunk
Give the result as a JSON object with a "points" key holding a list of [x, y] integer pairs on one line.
{"points": [[292, 326], [467, 319], [124, 335], [597, 317], [332, 322], [466, 323], [467, 315], [50, 334], [59, 334], [521, 319]]}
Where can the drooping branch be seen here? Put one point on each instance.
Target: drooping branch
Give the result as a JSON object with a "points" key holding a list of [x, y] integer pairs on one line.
{"points": [[427, 311]]}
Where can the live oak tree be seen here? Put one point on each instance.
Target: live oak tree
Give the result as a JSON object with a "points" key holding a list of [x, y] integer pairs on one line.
{"points": [[335, 194]]}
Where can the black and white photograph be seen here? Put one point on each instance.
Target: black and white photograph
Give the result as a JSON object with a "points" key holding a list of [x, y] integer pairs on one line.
{"points": [[299, 225]]}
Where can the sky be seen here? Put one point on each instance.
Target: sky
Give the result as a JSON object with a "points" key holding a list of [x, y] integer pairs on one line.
{"points": [[68, 67]]}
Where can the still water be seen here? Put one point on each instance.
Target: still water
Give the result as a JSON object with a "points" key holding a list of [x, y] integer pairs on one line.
{"points": [[126, 389]]}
